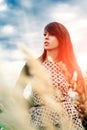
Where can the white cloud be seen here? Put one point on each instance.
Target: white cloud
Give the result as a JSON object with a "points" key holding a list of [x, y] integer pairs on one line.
{"points": [[3, 54], [9, 72], [63, 12], [17, 55], [12, 55], [1, 1], [3, 6], [26, 3], [78, 29], [8, 30]]}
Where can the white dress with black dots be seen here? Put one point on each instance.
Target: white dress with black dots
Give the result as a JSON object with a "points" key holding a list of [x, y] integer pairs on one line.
{"points": [[42, 114]]}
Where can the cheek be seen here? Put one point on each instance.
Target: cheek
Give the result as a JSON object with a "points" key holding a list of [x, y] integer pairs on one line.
{"points": [[56, 43]]}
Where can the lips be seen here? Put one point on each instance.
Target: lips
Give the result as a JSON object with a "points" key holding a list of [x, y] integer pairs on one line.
{"points": [[46, 43]]}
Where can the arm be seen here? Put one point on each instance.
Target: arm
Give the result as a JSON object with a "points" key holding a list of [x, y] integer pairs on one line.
{"points": [[23, 78]]}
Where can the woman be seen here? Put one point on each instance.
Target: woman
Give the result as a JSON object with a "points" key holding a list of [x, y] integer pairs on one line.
{"points": [[60, 63]]}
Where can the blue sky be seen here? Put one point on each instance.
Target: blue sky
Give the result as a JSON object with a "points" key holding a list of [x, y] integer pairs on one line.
{"points": [[23, 21]]}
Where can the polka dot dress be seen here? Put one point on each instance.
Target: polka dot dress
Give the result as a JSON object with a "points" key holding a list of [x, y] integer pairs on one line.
{"points": [[41, 114]]}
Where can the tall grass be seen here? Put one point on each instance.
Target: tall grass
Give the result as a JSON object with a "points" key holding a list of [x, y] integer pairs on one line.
{"points": [[14, 113], [14, 108]]}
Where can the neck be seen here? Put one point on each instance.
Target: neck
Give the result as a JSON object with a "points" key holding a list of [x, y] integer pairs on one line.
{"points": [[52, 55]]}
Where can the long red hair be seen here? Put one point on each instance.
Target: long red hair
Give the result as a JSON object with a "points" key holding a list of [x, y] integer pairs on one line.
{"points": [[65, 52]]}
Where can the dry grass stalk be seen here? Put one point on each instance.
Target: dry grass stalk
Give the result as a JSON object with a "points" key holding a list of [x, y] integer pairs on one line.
{"points": [[14, 108]]}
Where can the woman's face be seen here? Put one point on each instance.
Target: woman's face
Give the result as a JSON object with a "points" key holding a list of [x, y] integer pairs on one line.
{"points": [[50, 41]]}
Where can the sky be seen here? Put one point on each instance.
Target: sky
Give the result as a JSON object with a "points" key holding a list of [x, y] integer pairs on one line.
{"points": [[23, 21]]}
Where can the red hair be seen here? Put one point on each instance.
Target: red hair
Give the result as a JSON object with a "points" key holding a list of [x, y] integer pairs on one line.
{"points": [[66, 52]]}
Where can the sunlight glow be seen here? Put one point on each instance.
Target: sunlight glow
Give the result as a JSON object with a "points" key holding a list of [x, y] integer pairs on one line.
{"points": [[82, 61]]}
